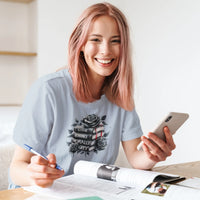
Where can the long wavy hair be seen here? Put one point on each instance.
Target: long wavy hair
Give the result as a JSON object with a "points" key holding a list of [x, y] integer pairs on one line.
{"points": [[118, 87]]}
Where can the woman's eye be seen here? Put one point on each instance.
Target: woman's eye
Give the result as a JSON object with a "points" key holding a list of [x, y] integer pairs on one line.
{"points": [[95, 40], [115, 41]]}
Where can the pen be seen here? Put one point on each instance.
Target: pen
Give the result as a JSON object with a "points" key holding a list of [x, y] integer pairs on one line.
{"points": [[27, 147]]}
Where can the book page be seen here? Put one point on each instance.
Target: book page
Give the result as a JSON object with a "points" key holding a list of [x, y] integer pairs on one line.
{"points": [[127, 176], [173, 192], [79, 186]]}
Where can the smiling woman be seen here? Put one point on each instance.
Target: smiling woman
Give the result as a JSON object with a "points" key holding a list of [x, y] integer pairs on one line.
{"points": [[85, 111]]}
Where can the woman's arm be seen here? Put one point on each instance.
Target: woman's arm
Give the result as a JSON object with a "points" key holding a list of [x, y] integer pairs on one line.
{"points": [[29, 169], [151, 153]]}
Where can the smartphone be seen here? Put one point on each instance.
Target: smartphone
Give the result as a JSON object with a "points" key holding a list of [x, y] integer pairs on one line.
{"points": [[174, 120]]}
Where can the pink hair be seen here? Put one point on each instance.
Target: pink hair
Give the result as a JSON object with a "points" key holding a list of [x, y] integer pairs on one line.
{"points": [[118, 87]]}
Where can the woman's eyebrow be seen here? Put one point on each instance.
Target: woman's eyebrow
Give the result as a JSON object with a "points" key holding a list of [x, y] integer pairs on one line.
{"points": [[116, 36], [95, 35], [98, 35]]}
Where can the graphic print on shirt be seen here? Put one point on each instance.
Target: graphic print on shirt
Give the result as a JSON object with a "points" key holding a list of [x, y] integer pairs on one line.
{"points": [[88, 135]]}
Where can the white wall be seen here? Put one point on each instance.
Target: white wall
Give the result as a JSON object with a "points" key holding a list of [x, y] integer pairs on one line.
{"points": [[167, 61], [166, 41]]}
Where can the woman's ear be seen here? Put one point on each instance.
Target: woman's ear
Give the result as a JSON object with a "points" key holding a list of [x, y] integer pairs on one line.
{"points": [[82, 54]]}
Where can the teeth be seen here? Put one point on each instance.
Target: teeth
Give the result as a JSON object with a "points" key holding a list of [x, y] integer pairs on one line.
{"points": [[104, 61]]}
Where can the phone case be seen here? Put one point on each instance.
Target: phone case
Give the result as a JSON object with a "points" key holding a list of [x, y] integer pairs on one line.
{"points": [[173, 121]]}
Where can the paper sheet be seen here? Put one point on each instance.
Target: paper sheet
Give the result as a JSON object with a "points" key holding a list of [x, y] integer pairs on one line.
{"points": [[192, 182]]}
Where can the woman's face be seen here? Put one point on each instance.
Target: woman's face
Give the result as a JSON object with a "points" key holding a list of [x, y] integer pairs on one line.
{"points": [[102, 48]]}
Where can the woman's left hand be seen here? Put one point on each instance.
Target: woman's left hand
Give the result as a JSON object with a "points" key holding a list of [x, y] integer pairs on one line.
{"points": [[161, 149]]}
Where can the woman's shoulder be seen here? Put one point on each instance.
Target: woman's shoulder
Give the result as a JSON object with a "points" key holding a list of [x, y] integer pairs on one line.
{"points": [[53, 84], [55, 76], [55, 79]]}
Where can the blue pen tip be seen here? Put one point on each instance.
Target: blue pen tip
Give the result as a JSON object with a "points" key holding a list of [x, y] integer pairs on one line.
{"points": [[27, 147], [58, 167]]}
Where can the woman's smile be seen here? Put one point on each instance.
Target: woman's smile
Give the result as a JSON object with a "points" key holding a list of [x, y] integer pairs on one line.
{"points": [[104, 61]]}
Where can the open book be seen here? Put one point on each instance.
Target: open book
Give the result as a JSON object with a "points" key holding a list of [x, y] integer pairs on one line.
{"points": [[97, 181]]}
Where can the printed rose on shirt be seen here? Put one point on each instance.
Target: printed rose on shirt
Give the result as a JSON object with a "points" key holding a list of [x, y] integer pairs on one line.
{"points": [[88, 135]]}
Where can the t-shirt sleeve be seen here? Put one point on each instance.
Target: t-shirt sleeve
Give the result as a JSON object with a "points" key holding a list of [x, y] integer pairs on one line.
{"points": [[131, 126], [35, 119]]}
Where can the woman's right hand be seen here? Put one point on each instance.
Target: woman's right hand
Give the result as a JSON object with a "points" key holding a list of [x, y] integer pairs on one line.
{"points": [[43, 172]]}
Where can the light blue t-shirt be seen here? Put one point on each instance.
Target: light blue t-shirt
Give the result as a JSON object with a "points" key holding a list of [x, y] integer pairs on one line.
{"points": [[53, 121]]}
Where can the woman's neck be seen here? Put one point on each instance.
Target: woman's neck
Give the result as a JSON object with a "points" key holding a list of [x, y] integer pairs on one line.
{"points": [[95, 85]]}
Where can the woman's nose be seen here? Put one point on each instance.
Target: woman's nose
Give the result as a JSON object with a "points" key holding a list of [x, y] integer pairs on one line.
{"points": [[105, 48]]}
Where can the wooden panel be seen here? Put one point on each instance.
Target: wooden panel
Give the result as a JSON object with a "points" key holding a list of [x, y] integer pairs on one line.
{"points": [[190, 169], [15, 53], [15, 194]]}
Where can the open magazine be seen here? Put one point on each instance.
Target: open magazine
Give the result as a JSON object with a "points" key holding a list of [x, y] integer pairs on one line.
{"points": [[97, 181]]}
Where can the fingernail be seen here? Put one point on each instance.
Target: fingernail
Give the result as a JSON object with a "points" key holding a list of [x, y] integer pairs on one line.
{"points": [[52, 165]]}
